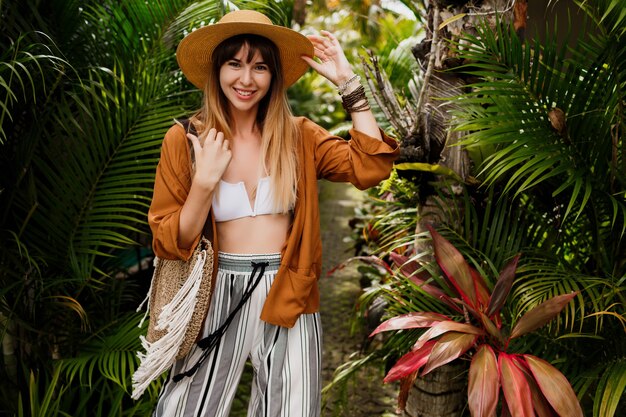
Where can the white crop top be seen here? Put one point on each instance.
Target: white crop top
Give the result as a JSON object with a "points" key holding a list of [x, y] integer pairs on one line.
{"points": [[231, 201]]}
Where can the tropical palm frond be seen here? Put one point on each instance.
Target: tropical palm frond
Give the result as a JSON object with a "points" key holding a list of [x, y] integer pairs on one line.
{"points": [[110, 352], [25, 74], [603, 377], [536, 117], [611, 390], [609, 18], [541, 279], [196, 14], [134, 27], [490, 230], [280, 13], [610, 14], [394, 228], [95, 185], [99, 192], [101, 372], [391, 72], [499, 228], [402, 69]]}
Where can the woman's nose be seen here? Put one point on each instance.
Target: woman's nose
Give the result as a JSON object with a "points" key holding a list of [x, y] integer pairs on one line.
{"points": [[246, 76]]}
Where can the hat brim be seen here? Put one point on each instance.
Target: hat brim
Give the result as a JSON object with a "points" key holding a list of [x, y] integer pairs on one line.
{"points": [[195, 51]]}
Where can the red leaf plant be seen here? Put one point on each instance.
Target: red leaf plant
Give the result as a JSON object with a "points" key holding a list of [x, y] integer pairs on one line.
{"points": [[529, 385]]}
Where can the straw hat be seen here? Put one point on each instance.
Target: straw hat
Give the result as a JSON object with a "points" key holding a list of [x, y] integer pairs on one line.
{"points": [[195, 51]]}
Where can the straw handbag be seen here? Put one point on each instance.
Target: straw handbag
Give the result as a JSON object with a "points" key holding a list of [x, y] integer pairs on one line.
{"points": [[177, 301]]}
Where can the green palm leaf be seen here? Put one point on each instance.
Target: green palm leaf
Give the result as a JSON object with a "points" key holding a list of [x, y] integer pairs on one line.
{"points": [[98, 379], [606, 374], [610, 390], [110, 352], [508, 116], [25, 74], [96, 167], [94, 191]]}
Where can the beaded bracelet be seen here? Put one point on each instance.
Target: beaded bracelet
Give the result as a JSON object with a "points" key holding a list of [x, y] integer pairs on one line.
{"points": [[349, 101], [343, 86]]}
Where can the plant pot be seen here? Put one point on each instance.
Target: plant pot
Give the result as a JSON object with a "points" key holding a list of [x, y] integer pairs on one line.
{"points": [[441, 393]]}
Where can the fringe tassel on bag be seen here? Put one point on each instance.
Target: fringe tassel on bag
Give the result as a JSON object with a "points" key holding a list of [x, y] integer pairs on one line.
{"points": [[170, 327]]}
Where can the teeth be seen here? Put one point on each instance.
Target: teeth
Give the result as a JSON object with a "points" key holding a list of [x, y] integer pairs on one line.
{"points": [[244, 93]]}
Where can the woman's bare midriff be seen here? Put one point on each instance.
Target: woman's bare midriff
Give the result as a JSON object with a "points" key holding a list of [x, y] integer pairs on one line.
{"points": [[254, 235]]}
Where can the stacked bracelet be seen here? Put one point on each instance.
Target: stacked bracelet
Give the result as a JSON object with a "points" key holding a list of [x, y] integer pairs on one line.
{"points": [[343, 86], [351, 101]]}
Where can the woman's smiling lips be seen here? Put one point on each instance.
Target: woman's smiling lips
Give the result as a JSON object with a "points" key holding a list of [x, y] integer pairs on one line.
{"points": [[244, 94]]}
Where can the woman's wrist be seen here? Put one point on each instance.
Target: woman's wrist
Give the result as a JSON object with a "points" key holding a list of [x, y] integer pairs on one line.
{"points": [[345, 82], [355, 100], [204, 184], [350, 87], [342, 78]]}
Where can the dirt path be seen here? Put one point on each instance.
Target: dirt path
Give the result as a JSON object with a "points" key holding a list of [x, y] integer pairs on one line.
{"points": [[365, 395]]}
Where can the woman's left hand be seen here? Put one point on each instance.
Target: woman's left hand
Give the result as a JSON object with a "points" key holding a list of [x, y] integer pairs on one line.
{"points": [[333, 63]]}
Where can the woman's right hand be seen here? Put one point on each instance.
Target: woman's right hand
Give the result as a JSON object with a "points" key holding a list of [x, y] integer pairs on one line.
{"points": [[212, 158]]}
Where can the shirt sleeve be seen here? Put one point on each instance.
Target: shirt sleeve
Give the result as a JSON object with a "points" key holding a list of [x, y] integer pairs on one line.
{"points": [[171, 188], [362, 160]]}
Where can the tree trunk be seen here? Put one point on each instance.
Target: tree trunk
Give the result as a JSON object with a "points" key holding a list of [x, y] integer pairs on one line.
{"points": [[426, 136], [443, 392]]}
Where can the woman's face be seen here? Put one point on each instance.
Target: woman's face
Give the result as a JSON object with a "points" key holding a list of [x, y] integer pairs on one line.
{"points": [[245, 83]]}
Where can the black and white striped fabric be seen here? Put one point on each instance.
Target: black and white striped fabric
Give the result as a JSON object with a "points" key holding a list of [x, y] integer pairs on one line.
{"points": [[286, 362]]}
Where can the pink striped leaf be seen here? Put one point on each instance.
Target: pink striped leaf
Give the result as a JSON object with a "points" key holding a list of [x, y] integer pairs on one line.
{"points": [[503, 287], [449, 347], [413, 320], [410, 270], [445, 327], [555, 387], [480, 286], [484, 383], [541, 314], [515, 387], [429, 288], [540, 403], [408, 267], [491, 328], [409, 363], [454, 267]]}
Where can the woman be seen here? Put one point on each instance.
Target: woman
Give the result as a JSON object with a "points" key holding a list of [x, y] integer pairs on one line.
{"points": [[255, 180]]}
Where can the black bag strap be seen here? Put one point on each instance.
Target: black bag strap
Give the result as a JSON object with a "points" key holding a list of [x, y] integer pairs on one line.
{"points": [[209, 343]]}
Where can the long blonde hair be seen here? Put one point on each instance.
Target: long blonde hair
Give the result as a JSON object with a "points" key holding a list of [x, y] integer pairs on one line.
{"points": [[279, 135]]}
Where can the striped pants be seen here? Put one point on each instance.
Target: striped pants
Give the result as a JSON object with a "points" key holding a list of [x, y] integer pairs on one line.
{"points": [[286, 362]]}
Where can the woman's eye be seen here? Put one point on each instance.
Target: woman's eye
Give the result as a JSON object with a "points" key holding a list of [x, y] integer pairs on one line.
{"points": [[234, 64], [262, 68]]}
